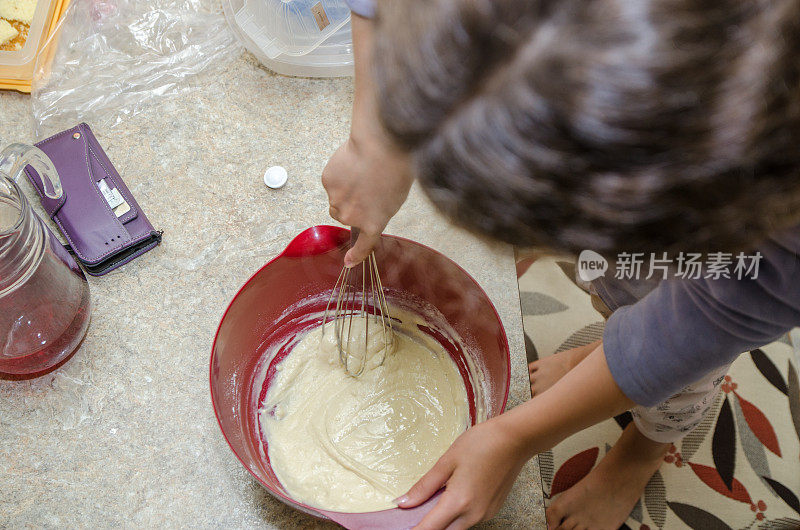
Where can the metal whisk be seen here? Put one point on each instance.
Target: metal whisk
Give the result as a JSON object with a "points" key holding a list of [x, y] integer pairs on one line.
{"points": [[358, 294]]}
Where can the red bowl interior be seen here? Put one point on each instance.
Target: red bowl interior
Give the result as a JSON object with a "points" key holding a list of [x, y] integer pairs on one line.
{"points": [[257, 319]]}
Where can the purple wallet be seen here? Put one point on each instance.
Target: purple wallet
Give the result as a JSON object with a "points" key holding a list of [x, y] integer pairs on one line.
{"points": [[103, 223]]}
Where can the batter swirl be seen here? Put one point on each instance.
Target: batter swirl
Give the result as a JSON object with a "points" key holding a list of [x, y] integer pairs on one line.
{"points": [[353, 444]]}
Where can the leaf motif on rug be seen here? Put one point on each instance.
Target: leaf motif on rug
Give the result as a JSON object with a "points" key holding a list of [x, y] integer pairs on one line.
{"points": [[723, 444], [530, 350], [784, 493], [568, 268], [636, 513], [655, 499], [713, 480], [697, 519], [768, 370], [691, 442], [794, 398], [539, 304], [583, 336], [759, 424], [546, 467], [752, 448], [573, 470], [623, 419], [783, 523]]}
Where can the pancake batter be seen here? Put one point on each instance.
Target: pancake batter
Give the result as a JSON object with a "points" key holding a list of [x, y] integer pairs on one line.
{"points": [[350, 444]]}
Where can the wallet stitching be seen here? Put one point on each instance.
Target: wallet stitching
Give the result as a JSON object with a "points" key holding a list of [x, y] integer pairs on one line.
{"points": [[97, 192], [94, 184], [113, 264], [104, 204], [131, 203], [101, 257], [102, 200]]}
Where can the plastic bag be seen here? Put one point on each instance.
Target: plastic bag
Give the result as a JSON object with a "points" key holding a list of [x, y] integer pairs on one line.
{"points": [[108, 59]]}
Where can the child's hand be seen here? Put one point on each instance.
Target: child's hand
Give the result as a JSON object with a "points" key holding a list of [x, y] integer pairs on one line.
{"points": [[478, 470], [367, 181], [368, 177], [482, 464]]}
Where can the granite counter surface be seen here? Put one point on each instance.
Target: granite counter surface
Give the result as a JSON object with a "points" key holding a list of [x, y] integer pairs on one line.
{"points": [[123, 434]]}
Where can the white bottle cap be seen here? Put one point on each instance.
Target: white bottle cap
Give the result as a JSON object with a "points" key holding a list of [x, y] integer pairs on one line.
{"points": [[275, 177]]}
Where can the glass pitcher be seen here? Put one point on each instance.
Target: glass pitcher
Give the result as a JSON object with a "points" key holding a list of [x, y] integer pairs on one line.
{"points": [[44, 296]]}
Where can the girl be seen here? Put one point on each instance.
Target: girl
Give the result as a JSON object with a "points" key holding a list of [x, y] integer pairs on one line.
{"points": [[610, 125]]}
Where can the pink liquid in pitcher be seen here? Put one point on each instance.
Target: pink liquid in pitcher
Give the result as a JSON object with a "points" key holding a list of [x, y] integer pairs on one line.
{"points": [[44, 296], [45, 325]]}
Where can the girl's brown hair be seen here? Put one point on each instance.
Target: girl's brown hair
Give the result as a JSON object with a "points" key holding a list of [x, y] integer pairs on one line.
{"points": [[605, 124]]}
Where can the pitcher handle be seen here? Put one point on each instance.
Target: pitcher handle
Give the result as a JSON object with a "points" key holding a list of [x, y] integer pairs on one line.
{"points": [[15, 157]]}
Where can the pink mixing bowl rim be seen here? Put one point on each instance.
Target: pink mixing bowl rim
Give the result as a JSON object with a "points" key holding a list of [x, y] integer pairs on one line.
{"points": [[311, 509]]}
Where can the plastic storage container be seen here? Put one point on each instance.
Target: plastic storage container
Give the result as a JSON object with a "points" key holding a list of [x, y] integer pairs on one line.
{"points": [[16, 67], [307, 38]]}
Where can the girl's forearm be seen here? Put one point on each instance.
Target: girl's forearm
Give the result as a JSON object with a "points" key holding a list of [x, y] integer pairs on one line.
{"points": [[586, 395], [364, 105]]}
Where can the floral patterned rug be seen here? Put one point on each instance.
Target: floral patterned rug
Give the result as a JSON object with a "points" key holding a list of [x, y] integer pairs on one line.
{"points": [[739, 469]]}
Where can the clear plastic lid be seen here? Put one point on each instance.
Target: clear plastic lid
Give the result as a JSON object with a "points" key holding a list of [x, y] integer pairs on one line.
{"points": [[291, 27]]}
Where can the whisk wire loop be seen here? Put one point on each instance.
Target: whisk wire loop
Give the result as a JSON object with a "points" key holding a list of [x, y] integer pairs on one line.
{"points": [[367, 301]]}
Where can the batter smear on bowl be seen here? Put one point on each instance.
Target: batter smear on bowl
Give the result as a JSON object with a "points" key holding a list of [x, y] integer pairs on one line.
{"points": [[352, 444]]}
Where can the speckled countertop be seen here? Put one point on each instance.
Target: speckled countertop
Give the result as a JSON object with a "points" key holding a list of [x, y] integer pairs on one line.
{"points": [[124, 433]]}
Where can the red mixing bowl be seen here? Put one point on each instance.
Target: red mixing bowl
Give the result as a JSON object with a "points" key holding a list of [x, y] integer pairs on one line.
{"points": [[284, 298]]}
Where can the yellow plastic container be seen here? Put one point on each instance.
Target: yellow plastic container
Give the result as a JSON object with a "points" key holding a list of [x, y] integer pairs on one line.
{"points": [[16, 67]]}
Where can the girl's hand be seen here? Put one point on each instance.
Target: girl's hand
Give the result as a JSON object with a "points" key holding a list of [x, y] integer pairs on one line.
{"points": [[367, 181], [482, 464], [477, 471]]}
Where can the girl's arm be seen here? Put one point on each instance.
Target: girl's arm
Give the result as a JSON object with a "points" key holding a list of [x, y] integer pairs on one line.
{"points": [[480, 467], [368, 178]]}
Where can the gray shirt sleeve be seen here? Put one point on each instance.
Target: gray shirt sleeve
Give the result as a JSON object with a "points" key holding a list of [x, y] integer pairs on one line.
{"points": [[685, 328], [365, 8]]}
